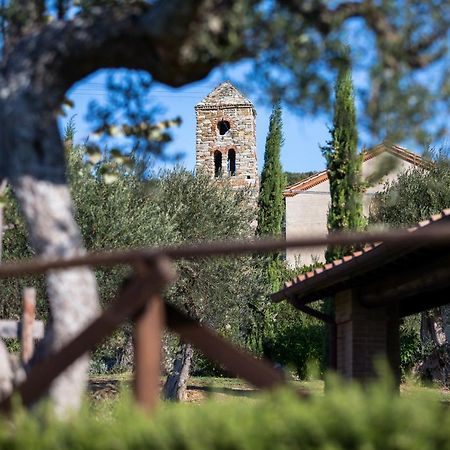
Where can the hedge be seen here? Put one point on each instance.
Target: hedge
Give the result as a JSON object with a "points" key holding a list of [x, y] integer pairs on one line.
{"points": [[346, 418]]}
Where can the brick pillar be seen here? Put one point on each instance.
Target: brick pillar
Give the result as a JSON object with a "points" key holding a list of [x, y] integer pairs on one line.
{"points": [[363, 335]]}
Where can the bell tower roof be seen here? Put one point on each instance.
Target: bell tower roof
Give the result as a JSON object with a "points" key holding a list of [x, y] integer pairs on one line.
{"points": [[224, 95]]}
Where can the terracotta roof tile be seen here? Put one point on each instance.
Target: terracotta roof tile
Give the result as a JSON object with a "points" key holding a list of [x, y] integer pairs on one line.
{"points": [[320, 177], [423, 223], [327, 268]]}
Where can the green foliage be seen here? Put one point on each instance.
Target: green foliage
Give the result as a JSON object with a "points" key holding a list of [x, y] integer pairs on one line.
{"points": [[285, 335], [176, 208], [15, 247], [294, 339], [344, 165], [348, 417], [411, 350], [292, 47], [214, 290], [396, 103], [415, 195], [69, 131], [270, 200], [128, 130], [295, 177]]}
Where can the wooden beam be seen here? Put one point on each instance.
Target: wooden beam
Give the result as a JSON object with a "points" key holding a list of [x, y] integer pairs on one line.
{"points": [[298, 304], [12, 329], [437, 234], [408, 283], [258, 372], [415, 304], [132, 297]]}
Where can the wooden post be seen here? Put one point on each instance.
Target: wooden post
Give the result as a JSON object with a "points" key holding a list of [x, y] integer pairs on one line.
{"points": [[132, 297], [28, 316], [148, 331]]}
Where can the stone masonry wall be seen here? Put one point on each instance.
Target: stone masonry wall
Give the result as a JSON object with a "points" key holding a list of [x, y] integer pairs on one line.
{"points": [[241, 137]]}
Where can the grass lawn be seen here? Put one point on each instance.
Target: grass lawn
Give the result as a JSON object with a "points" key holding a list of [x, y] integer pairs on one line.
{"points": [[107, 387]]}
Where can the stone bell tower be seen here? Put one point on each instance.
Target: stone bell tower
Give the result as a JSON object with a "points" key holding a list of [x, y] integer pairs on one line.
{"points": [[226, 137]]}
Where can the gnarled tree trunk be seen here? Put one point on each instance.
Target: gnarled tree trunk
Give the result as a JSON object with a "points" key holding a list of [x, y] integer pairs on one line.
{"points": [[435, 337], [176, 383], [72, 293]]}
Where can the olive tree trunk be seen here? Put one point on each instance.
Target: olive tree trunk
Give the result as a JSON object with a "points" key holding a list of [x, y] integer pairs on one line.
{"points": [[435, 337], [72, 293], [176, 383]]}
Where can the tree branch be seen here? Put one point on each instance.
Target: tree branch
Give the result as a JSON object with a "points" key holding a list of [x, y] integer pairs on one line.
{"points": [[135, 37], [325, 19]]}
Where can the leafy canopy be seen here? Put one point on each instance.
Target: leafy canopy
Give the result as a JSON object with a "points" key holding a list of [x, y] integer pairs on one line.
{"points": [[399, 49]]}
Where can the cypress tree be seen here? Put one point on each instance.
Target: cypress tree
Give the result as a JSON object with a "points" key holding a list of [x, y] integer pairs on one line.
{"points": [[344, 165], [270, 201]]}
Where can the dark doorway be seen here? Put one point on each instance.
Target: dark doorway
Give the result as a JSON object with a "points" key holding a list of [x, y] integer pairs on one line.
{"points": [[231, 163]]}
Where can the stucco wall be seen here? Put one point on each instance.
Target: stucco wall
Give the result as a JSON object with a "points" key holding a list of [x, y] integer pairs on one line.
{"points": [[306, 212]]}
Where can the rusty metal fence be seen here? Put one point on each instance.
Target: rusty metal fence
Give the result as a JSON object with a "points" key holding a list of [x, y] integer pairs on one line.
{"points": [[141, 300]]}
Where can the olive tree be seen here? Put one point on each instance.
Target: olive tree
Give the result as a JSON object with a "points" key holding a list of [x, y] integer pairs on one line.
{"points": [[49, 46], [215, 291]]}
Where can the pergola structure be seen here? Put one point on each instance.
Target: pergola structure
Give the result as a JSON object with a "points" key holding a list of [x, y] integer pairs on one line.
{"points": [[372, 290]]}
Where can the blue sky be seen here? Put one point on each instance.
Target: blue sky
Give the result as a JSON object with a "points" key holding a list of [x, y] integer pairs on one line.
{"points": [[302, 135]]}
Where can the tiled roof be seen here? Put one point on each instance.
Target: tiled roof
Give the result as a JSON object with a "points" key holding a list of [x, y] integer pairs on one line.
{"points": [[344, 268], [320, 177]]}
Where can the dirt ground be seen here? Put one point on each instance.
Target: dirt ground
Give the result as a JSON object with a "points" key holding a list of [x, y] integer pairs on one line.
{"points": [[199, 388]]}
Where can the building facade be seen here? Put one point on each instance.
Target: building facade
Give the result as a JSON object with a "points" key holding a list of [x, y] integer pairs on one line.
{"points": [[308, 201]]}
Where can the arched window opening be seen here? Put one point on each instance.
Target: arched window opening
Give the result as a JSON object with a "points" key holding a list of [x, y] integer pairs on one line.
{"points": [[217, 163], [223, 127], [231, 163]]}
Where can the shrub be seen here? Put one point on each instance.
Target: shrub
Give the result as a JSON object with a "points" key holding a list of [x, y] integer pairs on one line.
{"points": [[285, 335], [411, 351], [346, 418], [294, 340]]}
